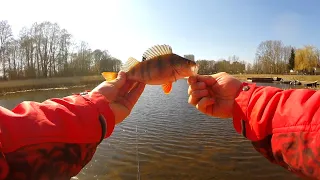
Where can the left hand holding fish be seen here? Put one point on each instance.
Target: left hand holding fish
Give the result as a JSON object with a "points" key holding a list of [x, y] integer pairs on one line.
{"points": [[122, 95]]}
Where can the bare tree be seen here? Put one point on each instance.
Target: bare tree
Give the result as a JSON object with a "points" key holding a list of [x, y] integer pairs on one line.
{"points": [[5, 38], [272, 57], [46, 50]]}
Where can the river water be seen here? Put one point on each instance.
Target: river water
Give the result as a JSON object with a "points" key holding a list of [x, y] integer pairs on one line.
{"points": [[166, 138]]}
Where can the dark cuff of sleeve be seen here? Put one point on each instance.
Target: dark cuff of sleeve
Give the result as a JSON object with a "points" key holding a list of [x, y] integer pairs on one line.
{"points": [[240, 118], [106, 115]]}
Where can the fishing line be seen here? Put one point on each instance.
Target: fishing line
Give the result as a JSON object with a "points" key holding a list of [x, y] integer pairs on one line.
{"points": [[137, 152]]}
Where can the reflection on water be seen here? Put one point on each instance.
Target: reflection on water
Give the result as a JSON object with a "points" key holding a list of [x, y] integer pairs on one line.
{"points": [[166, 138]]}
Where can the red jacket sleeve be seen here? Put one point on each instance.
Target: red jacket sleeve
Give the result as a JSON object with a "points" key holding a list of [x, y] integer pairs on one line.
{"points": [[283, 125], [72, 119]]}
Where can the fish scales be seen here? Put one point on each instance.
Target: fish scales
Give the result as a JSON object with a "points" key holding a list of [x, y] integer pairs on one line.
{"points": [[159, 66]]}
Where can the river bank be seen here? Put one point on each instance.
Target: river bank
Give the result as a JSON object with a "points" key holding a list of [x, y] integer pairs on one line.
{"points": [[58, 82], [310, 78], [44, 83]]}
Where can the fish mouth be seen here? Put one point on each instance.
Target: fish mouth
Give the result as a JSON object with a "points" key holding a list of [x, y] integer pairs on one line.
{"points": [[186, 71], [195, 69]]}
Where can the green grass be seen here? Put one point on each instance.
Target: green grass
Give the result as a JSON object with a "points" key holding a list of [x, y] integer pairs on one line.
{"points": [[20, 85]]}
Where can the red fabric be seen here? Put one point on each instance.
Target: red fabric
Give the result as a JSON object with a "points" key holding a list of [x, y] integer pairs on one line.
{"points": [[71, 119], [46, 161], [283, 125], [100, 102]]}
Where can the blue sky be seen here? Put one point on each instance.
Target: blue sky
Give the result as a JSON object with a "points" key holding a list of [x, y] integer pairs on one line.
{"points": [[209, 29]]}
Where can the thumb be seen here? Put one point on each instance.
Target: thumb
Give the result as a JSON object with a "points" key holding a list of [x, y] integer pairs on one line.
{"points": [[120, 80]]}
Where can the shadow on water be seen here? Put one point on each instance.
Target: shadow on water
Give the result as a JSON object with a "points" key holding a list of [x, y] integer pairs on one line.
{"points": [[173, 141]]}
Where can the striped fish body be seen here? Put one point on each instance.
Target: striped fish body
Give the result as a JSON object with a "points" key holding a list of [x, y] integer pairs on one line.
{"points": [[159, 67], [161, 70]]}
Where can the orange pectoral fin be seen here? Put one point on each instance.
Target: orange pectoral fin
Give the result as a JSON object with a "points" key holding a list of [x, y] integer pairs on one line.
{"points": [[167, 88], [109, 76]]}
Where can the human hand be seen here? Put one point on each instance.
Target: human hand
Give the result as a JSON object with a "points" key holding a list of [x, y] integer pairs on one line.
{"points": [[122, 95], [213, 95]]}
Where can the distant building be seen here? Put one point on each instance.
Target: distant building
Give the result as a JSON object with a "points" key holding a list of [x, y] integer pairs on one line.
{"points": [[189, 56]]}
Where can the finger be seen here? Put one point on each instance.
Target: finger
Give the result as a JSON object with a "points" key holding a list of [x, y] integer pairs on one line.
{"points": [[204, 105], [207, 79], [210, 91], [135, 84], [193, 100], [195, 96], [196, 86], [134, 95], [126, 88], [120, 80], [192, 79], [200, 93]]}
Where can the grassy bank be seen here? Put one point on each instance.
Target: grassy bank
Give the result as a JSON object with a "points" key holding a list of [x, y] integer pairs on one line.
{"points": [[20, 85], [308, 78]]}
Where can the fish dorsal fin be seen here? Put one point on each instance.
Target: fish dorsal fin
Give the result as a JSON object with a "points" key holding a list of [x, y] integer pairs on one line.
{"points": [[156, 50], [131, 62]]}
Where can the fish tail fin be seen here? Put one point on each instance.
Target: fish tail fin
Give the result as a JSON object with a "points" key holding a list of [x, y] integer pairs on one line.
{"points": [[109, 76], [130, 63]]}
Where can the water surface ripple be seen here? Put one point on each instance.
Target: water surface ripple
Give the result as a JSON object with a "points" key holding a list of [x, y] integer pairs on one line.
{"points": [[173, 141]]}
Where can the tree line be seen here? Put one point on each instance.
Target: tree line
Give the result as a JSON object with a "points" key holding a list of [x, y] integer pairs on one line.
{"points": [[271, 57], [47, 50]]}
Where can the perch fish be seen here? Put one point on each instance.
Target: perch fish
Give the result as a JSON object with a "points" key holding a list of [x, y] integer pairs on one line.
{"points": [[159, 66]]}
